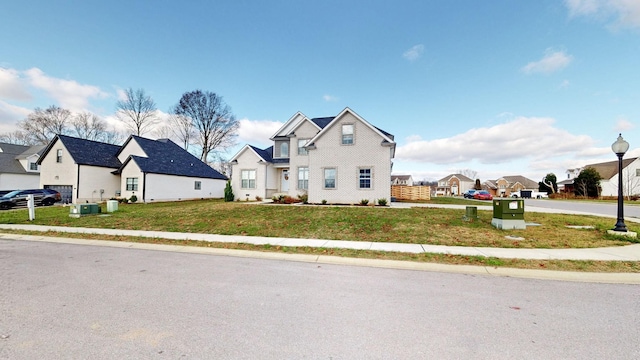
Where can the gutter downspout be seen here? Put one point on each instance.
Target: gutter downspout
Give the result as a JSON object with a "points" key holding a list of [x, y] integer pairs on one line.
{"points": [[144, 187], [77, 185]]}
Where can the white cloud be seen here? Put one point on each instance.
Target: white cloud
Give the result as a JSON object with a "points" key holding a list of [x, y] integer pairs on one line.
{"points": [[329, 98], [257, 132], [519, 139], [619, 13], [10, 115], [551, 62], [623, 124], [414, 53], [69, 93], [12, 86]]}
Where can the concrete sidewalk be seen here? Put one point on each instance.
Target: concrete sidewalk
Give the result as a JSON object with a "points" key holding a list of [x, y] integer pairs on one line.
{"points": [[619, 253]]}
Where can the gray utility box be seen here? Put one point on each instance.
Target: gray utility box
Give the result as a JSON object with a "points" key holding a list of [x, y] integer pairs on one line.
{"points": [[84, 209], [508, 214]]}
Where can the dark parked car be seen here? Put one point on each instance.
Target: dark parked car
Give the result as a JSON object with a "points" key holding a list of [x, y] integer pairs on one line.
{"points": [[482, 195], [45, 197], [469, 193]]}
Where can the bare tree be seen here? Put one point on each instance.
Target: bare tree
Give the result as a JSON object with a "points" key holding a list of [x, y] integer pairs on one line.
{"points": [[183, 129], [42, 125], [89, 126], [215, 126], [471, 174], [17, 137], [137, 111]]}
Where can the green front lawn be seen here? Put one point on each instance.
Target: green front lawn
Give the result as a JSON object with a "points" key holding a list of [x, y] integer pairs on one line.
{"points": [[379, 224]]}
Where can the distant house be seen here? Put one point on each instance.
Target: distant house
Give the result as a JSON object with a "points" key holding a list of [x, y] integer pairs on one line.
{"points": [[19, 166], [454, 184], [405, 180], [338, 159], [153, 170], [609, 173], [506, 185]]}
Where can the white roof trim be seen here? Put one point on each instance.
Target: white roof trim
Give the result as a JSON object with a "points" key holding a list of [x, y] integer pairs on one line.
{"points": [[290, 125], [245, 148], [341, 114]]}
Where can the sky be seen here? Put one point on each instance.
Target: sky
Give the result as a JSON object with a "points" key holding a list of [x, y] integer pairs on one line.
{"points": [[491, 88]]}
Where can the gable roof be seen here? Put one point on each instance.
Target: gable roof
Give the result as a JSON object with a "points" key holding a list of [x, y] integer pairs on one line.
{"points": [[166, 157], [386, 137], [609, 169], [459, 176], [86, 152], [12, 149], [512, 180], [11, 154], [400, 177]]}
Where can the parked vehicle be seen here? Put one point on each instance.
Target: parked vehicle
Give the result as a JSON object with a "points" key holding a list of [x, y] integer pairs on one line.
{"points": [[469, 193], [18, 198], [482, 195], [529, 194]]}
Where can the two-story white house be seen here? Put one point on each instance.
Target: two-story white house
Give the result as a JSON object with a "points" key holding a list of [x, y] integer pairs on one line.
{"points": [[152, 170], [341, 159]]}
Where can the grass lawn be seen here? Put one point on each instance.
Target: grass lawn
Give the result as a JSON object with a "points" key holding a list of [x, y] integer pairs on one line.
{"points": [[378, 224]]}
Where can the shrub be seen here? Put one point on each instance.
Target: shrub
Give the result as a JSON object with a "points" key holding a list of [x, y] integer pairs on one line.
{"points": [[228, 192], [382, 202], [324, 202], [133, 198], [364, 202], [258, 198], [304, 198]]}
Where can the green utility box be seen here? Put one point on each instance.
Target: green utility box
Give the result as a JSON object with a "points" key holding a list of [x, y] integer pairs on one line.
{"points": [[84, 209], [508, 214]]}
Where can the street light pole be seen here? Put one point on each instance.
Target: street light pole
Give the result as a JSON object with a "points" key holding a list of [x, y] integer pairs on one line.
{"points": [[619, 148]]}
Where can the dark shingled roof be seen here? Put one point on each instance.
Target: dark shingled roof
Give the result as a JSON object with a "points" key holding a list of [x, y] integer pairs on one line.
{"points": [[323, 121], [166, 157], [265, 154], [88, 152]]}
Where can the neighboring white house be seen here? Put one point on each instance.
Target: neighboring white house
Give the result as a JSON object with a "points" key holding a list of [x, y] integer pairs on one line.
{"points": [[154, 170], [18, 167], [342, 159], [454, 184], [609, 173], [405, 180]]}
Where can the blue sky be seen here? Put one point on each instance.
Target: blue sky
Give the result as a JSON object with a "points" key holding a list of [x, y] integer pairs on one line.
{"points": [[496, 87]]}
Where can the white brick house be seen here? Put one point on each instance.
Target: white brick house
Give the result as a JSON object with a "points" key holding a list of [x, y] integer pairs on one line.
{"points": [[342, 159]]}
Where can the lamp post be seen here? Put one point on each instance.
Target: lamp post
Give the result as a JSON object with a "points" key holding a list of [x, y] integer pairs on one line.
{"points": [[619, 148]]}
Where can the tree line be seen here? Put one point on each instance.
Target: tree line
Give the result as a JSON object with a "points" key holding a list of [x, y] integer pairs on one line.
{"points": [[200, 120]]}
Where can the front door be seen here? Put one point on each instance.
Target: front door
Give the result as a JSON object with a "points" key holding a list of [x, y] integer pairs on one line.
{"points": [[284, 183]]}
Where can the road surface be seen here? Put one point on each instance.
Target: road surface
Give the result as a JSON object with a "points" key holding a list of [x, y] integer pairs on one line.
{"points": [[61, 301]]}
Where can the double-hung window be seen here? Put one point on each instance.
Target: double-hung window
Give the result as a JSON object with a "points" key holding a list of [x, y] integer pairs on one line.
{"points": [[284, 149], [33, 166], [301, 149], [132, 184], [248, 179], [59, 156], [347, 134], [197, 185], [303, 178], [330, 178], [364, 178]]}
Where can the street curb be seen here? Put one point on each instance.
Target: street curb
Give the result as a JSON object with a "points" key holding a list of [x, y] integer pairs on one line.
{"points": [[609, 278]]}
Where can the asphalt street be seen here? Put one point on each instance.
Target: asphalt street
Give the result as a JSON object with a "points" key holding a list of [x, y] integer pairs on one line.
{"points": [[62, 301]]}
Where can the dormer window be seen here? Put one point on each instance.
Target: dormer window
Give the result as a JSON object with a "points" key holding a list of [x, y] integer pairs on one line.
{"points": [[33, 166], [284, 149], [347, 134]]}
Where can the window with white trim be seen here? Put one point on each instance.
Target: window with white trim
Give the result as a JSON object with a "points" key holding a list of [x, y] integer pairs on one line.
{"points": [[637, 172], [248, 179], [59, 156], [132, 184], [197, 185], [284, 149], [347, 134], [329, 178], [364, 178], [33, 166], [301, 149], [303, 178]]}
